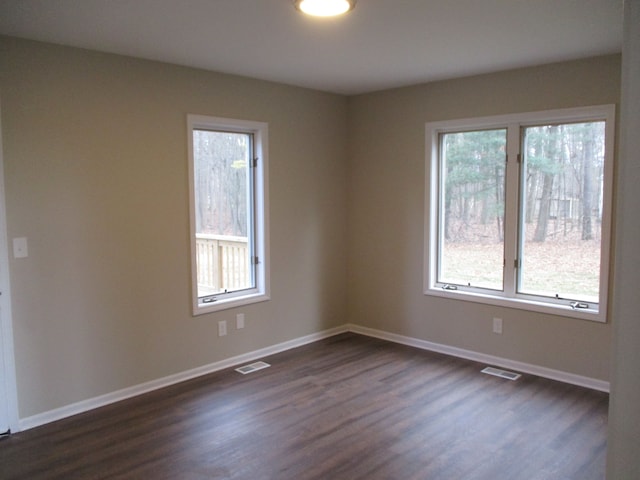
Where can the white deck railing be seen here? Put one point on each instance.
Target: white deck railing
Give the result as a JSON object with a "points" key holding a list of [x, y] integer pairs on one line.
{"points": [[223, 263]]}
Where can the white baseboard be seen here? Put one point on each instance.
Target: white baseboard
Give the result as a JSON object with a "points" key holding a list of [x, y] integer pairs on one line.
{"points": [[539, 371], [102, 400]]}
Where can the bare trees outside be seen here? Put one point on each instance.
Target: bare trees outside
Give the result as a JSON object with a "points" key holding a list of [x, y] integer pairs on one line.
{"points": [[222, 194], [221, 182], [560, 208]]}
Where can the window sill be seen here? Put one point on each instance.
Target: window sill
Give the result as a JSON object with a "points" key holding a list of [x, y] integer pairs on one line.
{"points": [[520, 304], [228, 303]]}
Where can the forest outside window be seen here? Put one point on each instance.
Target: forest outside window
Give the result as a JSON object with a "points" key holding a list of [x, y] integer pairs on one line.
{"points": [[228, 203], [519, 210]]}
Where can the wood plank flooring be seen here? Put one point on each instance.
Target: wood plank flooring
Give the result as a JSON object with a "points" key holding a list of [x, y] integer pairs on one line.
{"points": [[348, 407]]}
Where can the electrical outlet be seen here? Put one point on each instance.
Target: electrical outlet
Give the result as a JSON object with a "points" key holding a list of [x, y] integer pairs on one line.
{"points": [[222, 328], [240, 321], [497, 325]]}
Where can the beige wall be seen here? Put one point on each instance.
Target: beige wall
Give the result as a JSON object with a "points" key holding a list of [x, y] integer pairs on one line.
{"points": [[386, 214], [96, 179], [623, 445]]}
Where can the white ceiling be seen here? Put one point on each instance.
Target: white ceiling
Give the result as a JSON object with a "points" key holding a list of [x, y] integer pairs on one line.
{"points": [[381, 44]]}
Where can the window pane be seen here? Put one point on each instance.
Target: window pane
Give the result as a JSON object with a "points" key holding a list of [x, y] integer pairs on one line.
{"points": [[222, 211], [471, 227], [562, 201]]}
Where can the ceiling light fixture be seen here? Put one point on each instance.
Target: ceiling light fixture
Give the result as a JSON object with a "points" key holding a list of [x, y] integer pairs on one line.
{"points": [[325, 8]]}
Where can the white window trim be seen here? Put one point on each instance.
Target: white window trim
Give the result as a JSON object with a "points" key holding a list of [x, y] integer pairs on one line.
{"points": [[506, 298], [261, 292]]}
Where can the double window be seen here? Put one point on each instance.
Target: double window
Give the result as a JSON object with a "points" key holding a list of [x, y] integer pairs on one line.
{"points": [[519, 210], [228, 203]]}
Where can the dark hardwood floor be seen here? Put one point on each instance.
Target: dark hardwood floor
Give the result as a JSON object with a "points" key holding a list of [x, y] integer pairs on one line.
{"points": [[348, 407]]}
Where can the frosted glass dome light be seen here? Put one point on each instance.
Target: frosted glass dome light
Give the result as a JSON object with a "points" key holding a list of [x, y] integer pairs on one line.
{"points": [[324, 8]]}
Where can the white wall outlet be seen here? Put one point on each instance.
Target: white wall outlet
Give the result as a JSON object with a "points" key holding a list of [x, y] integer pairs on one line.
{"points": [[497, 325], [222, 328], [240, 321], [20, 249]]}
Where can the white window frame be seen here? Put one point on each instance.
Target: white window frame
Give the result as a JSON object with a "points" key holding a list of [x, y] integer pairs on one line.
{"points": [[514, 123], [260, 292]]}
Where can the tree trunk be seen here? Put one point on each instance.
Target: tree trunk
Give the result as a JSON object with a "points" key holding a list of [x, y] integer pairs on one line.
{"points": [[499, 201], [587, 231], [547, 188], [545, 204]]}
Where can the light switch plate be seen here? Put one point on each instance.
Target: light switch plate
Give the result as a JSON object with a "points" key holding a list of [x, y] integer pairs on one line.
{"points": [[20, 249]]}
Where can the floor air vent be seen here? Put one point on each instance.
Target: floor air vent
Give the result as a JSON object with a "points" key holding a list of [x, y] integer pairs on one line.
{"points": [[501, 373], [252, 367]]}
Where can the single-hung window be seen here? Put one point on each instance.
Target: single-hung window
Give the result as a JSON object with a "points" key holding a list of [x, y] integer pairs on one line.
{"points": [[519, 210], [228, 203]]}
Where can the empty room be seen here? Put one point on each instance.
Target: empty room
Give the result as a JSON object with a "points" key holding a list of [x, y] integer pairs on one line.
{"points": [[254, 239]]}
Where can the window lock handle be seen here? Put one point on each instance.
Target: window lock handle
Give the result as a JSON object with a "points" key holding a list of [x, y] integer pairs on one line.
{"points": [[576, 305]]}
